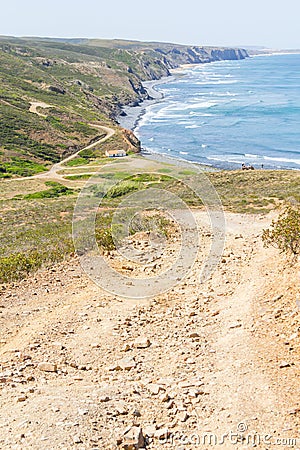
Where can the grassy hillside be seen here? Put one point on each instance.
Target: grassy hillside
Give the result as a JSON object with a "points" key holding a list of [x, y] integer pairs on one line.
{"points": [[36, 219], [79, 85]]}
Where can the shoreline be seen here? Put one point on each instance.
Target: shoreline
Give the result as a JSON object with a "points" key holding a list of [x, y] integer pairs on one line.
{"points": [[134, 115]]}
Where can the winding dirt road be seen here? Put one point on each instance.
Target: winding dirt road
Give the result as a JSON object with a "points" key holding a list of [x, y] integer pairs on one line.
{"points": [[53, 172]]}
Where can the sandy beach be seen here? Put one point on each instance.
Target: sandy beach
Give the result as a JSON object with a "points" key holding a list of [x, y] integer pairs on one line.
{"points": [[134, 113]]}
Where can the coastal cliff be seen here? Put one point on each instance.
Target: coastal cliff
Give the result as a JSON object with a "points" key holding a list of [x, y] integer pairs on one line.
{"points": [[155, 61], [73, 83]]}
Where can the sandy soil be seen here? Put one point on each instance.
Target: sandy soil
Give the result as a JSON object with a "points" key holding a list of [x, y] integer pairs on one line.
{"points": [[194, 364], [35, 105]]}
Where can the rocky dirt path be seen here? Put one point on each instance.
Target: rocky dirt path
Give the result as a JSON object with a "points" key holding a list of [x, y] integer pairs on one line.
{"points": [[53, 172], [35, 105], [83, 369]]}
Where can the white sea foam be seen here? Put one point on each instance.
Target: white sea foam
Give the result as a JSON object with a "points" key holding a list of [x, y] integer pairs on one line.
{"points": [[193, 105], [198, 114], [231, 130], [287, 160], [241, 158], [184, 153], [223, 94], [216, 82]]}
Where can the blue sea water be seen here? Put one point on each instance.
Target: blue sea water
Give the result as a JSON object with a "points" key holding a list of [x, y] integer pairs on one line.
{"points": [[228, 113]]}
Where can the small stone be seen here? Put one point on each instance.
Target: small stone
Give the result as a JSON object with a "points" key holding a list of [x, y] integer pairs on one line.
{"points": [[127, 364], [183, 416], [294, 411], [155, 388], [235, 325], [57, 345], [23, 398], [121, 409], [77, 440], [114, 367], [104, 399], [284, 364], [133, 438], [95, 345], [73, 364], [5, 380], [293, 336], [47, 367], [164, 397], [142, 342], [163, 433], [194, 335], [126, 348], [150, 431], [170, 404], [190, 361]]}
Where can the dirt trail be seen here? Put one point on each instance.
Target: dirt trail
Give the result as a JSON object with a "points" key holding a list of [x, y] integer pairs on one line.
{"points": [[53, 172], [35, 105], [214, 360]]}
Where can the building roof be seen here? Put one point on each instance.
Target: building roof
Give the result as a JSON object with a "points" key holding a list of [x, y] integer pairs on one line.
{"points": [[115, 152]]}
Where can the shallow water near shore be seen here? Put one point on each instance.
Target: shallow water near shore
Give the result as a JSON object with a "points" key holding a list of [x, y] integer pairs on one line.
{"points": [[228, 113]]}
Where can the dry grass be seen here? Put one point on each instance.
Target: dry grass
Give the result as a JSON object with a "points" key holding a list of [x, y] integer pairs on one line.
{"points": [[38, 231]]}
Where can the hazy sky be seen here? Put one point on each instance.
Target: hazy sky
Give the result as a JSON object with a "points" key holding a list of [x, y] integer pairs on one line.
{"points": [[271, 23]]}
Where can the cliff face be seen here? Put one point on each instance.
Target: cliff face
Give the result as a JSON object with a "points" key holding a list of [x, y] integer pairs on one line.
{"points": [[198, 55], [155, 62]]}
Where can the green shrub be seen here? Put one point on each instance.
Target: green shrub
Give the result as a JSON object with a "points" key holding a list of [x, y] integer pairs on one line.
{"points": [[81, 176], [22, 167], [284, 233], [57, 190], [123, 188], [103, 231], [79, 161], [17, 266]]}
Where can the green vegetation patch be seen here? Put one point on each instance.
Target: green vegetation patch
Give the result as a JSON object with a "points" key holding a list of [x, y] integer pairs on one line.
{"points": [[21, 167], [78, 161], [284, 233], [81, 176], [34, 233], [56, 190], [255, 192]]}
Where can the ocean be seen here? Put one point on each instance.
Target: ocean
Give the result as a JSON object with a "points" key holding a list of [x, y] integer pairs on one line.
{"points": [[229, 113]]}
